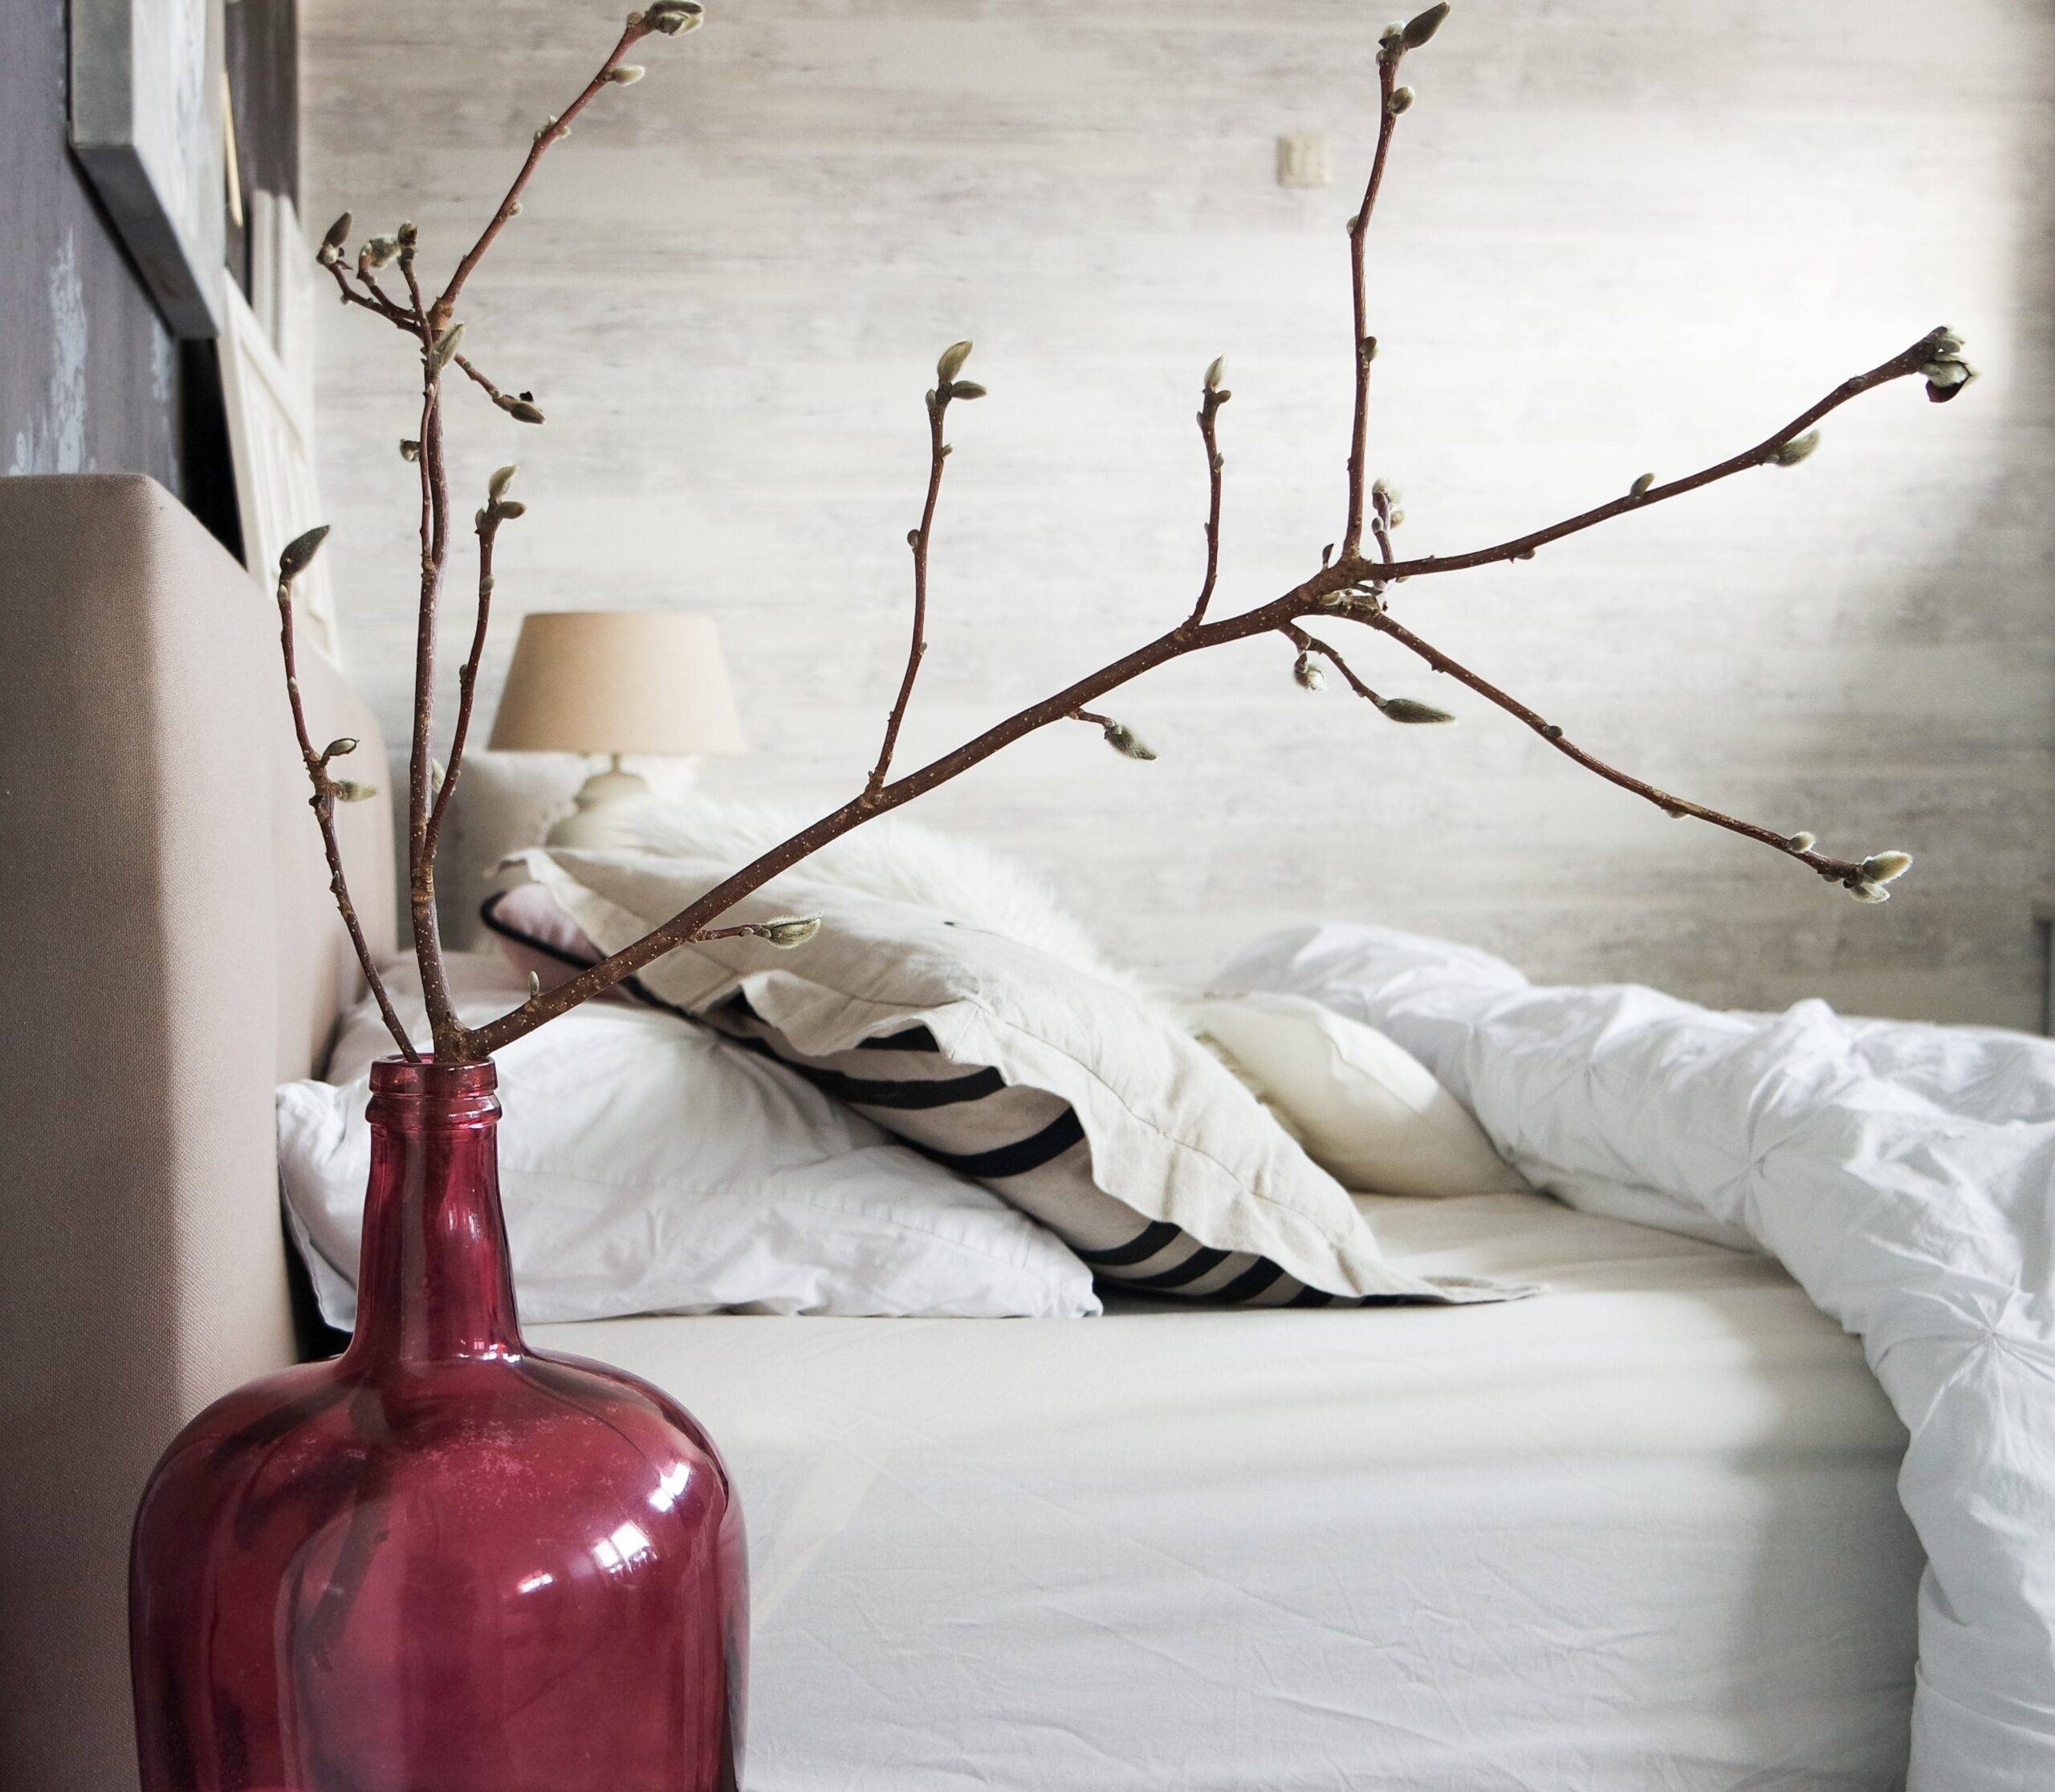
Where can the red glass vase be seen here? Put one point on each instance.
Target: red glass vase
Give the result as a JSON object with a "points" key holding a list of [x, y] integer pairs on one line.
{"points": [[442, 1561]]}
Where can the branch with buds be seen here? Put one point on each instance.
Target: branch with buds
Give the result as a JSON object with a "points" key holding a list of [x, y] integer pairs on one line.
{"points": [[298, 556], [1349, 585]]}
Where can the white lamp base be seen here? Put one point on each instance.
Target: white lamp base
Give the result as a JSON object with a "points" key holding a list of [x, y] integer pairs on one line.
{"points": [[601, 807]]}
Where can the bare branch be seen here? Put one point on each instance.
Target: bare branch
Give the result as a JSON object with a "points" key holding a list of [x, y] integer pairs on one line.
{"points": [[1365, 345], [1209, 411], [520, 406], [497, 509], [552, 132], [294, 561], [946, 388], [1906, 362], [1834, 870], [1307, 643], [373, 300], [425, 924]]}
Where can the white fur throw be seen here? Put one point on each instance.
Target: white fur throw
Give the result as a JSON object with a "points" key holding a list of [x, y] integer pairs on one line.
{"points": [[895, 860]]}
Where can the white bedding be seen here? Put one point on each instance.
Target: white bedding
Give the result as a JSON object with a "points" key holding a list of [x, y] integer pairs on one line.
{"points": [[1906, 1176], [1637, 1535]]}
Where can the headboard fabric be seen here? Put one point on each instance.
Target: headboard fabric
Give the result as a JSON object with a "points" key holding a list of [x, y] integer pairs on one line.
{"points": [[170, 952]]}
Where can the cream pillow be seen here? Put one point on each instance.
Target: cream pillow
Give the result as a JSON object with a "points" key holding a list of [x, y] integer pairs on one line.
{"points": [[1087, 1109], [1367, 1111]]}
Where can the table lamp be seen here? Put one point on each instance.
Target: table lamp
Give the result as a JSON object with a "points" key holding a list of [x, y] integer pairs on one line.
{"points": [[649, 682]]}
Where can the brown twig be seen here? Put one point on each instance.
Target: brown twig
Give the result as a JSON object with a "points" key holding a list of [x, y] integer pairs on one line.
{"points": [[1906, 362], [1329, 591], [375, 301], [1834, 870], [1365, 347], [554, 132], [425, 923], [1208, 412], [494, 512], [520, 406], [1307, 643], [326, 792], [946, 387]]}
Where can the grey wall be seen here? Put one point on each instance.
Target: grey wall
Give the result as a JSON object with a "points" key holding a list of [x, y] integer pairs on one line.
{"points": [[91, 381], [89, 376], [1614, 238]]}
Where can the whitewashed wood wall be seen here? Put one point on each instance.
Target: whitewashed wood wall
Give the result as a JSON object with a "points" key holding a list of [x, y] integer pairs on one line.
{"points": [[1615, 237]]}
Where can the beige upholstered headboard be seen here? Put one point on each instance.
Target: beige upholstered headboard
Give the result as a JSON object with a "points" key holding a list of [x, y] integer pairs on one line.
{"points": [[170, 952]]}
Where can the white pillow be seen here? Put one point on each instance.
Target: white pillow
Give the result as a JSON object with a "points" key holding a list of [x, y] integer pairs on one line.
{"points": [[1367, 1111], [647, 1166], [1084, 1107]]}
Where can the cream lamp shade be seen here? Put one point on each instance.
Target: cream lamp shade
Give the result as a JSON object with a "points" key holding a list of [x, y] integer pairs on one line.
{"points": [[614, 682], [617, 681]]}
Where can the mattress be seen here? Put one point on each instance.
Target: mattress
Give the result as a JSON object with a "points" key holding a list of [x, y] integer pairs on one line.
{"points": [[1639, 1531]]}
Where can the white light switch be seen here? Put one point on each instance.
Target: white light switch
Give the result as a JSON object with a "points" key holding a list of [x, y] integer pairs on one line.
{"points": [[1302, 160]]}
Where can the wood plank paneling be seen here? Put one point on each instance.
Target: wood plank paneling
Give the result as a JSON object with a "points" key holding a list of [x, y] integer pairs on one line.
{"points": [[1614, 238]]}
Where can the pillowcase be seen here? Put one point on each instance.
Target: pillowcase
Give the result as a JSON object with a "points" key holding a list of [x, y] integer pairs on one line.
{"points": [[648, 1166], [1082, 1105], [1366, 1111]]}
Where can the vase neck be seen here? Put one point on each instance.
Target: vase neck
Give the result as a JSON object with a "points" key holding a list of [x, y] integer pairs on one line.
{"points": [[434, 1281]]}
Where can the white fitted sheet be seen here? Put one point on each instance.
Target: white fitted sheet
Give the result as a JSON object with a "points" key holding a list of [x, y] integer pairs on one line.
{"points": [[1638, 1533]]}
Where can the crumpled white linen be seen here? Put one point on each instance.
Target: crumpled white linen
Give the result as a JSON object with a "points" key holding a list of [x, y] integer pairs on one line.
{"points": [[1904, 1175]]}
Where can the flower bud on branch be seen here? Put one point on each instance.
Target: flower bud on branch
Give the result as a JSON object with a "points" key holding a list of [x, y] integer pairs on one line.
{"points": [[671, 17], [331, 245], [1409, 711], [298, 553], [1422, 26], [1798, 448], [439, 351]]}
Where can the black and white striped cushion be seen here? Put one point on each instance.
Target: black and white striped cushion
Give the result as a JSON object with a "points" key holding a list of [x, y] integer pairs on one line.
{"points": [[1076, 1102], [1028, 1145]]}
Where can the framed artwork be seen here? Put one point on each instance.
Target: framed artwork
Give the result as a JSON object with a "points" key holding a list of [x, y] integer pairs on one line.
{"points": [[146, 125], [270, 440]]}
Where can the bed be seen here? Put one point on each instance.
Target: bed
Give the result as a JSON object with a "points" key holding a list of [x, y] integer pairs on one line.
{"points": [[1639, 1533]]}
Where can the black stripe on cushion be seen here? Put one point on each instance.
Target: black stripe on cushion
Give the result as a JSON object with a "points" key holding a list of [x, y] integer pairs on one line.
{"points": [[1193, 1267], [1250, 1283], [1157, 1236], [489, 914], [1311, 1297], [877, 1092], [1017, 1159], [914, 1038]]}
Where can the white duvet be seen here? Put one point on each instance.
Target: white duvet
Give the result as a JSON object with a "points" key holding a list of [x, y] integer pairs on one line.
{"points": [[1904, 1175]]}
